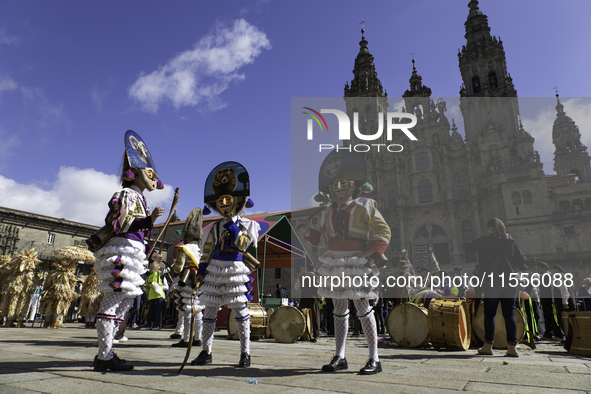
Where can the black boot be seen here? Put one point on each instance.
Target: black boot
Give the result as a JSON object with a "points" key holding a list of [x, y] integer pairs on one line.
{"points": [[113, 364], [180, 343], [336, 364], [372, 367], [202, 359], [244, 360], [114, 355]]}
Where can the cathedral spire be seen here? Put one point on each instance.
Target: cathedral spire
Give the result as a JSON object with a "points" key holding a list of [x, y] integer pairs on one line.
{"points": [[570, 155], [417, 89], [365, 82], [482, 59]]}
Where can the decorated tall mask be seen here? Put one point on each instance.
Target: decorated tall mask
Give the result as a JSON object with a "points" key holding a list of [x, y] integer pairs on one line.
{"points": [[139, 158], [341, 173], [227, 188]]}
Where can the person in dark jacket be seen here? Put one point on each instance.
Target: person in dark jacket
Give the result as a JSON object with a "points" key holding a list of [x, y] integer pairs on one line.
{"points": [[498, 254]]}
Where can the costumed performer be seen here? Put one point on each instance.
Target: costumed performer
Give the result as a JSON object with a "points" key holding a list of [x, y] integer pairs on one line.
{"points": [[222, 270], [18, 287], [355, 235], [90, 298], [122, 259], [58, 292], [185, 269]]}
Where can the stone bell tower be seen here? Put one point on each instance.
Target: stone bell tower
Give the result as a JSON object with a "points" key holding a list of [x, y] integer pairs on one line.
{"points": [[570, 156]]}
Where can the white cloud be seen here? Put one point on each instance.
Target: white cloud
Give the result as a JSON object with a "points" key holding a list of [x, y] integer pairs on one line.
{"points": [[203, 73], [256, 7], [8, 39], [48, 112], [80, 195], [7, 84], [9, 142], [540, 126]]}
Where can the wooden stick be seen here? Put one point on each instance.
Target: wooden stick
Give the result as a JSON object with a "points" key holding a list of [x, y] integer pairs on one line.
{"points": [[175, 200]]}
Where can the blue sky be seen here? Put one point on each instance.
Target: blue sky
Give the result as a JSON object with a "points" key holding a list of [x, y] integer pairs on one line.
{"points": [[206, 82]]}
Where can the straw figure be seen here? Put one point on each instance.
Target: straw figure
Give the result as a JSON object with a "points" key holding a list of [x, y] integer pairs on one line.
{"points": [[18, 286], [59, 289], [90, 298]]}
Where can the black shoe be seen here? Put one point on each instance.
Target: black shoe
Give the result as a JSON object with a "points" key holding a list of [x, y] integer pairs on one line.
{"points": [[196, 342], [244, 360], [336, 364], [313, 340], [113, 364], [371, 367], [202, 359], [114, 356], [181, 343], [121, 360], [175, 336]]}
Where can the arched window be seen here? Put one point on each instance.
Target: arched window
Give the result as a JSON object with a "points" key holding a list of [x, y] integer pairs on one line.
{"points": [[494, 153], [564, 206], [527, 197], [462, 190], [425, 191], [395, 240], [476, 84], [422, 160], [437, 231], [577, 205], [492, 80], [516, 197], [467, 234], [422, 233], [435, 161], [392, 202]]}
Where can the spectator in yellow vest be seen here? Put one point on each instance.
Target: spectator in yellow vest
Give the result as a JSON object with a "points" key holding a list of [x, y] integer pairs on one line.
{"points": [[157, 285]]}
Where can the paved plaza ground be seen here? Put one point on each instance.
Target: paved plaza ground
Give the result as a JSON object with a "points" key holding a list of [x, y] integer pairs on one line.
{"points": [[34, 360]]}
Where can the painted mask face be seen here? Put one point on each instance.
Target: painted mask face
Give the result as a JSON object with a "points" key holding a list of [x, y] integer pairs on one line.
{"points": [[148, 177], [225, 204], [342, 190]]}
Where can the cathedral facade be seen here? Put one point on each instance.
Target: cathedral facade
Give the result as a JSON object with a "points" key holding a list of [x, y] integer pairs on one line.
{"points": [[440, 191]]}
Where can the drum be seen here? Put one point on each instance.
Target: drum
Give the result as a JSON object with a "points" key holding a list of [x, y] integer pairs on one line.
{"points": [[408, 324], [287, 324], [307, 335], [500, 341], [258, 322], [580, 330], [449, 323], [268, 330]]}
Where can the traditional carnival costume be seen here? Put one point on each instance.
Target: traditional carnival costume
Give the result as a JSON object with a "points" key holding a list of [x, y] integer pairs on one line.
{"points": [[354, 233], [185, 267], [122, 259], [59, 290], [18, 286], [225, 276], [90, 298]]}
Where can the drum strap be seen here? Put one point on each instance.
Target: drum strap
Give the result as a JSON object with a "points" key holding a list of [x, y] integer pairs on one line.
{"points": [[242, 318]]}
